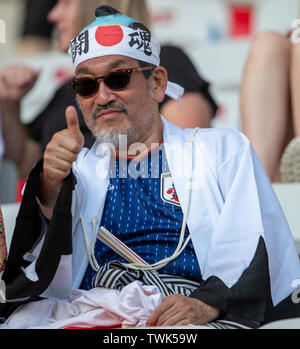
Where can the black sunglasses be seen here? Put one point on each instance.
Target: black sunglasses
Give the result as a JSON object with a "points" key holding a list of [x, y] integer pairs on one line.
{"points": [[116, 80]]}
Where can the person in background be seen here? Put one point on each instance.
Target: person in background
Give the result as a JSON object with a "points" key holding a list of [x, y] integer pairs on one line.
{"points": [[36, 33], [26, 145], [16, 81], [270, 105]]}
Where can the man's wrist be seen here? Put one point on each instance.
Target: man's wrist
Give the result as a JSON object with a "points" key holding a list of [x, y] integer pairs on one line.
{"points": [[47, 194]]}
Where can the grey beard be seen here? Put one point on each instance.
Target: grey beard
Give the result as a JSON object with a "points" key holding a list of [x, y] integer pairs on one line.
{"points": [[117, 138], [120, 138], [111, 135]]}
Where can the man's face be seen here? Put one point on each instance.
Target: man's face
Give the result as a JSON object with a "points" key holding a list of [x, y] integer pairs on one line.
{"points": [[132, 111]]}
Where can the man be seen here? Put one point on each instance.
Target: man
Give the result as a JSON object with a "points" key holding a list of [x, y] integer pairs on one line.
{"points": [[26, 143], [234, 257]]}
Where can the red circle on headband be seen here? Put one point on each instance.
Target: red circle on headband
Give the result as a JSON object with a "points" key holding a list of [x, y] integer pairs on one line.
{"points": [[109, 35]]}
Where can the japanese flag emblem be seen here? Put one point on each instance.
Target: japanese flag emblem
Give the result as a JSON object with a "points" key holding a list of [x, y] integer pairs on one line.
{"points": [[167, 189]]}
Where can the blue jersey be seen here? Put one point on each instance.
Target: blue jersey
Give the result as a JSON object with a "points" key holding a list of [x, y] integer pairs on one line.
{"points": [[143, 211]]}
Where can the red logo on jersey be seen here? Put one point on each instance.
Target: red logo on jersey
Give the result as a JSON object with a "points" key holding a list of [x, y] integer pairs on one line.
{"points": [[167, 189], [172, 192]]}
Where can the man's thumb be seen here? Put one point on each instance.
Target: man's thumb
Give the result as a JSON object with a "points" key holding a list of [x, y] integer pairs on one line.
{"points": [[73, 124]]}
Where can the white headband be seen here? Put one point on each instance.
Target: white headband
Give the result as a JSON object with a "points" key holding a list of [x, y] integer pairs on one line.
{"points": [[114, 39], [104, 40]]}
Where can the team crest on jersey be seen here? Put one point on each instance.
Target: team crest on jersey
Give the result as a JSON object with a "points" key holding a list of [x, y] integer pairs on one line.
{"points": [[167, 189]]}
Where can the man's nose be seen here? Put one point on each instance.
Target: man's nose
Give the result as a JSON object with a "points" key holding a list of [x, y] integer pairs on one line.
{"points": [[104, 94]]}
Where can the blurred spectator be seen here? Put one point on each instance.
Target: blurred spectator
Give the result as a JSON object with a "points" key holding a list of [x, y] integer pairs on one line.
{"points": [[270, 105], [15, 82], [36, 35]]}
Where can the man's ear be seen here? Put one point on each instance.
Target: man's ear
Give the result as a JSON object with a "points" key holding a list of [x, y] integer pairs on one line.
{"points": [[159, 80]]}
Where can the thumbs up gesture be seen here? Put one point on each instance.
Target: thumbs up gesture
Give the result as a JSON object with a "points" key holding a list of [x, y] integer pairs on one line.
{"points": [[59, 155], [73, 128]]}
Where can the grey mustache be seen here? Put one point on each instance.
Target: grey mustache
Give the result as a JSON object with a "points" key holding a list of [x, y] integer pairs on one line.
{"points": [[117, 106]]}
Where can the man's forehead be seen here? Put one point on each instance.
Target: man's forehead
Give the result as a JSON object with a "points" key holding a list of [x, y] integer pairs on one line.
{"points": [[105, 63]]}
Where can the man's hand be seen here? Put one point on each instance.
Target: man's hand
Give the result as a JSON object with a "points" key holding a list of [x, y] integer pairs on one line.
{"points": [[59, 155], [178, 310], [15, 82]]}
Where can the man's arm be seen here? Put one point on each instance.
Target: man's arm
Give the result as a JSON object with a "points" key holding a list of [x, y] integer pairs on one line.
{"points": [[15, 82], [14, 134], [59, 155]]}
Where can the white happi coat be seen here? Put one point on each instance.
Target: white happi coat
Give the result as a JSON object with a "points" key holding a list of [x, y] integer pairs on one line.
{"points": [[232, 205]]}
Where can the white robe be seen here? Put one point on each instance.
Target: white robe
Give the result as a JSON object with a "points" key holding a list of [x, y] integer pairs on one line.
{"points": [[232, 205], [248, 260]]}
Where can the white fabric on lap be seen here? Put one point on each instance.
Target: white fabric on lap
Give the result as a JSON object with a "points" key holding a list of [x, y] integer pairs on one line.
{"points": [[97, 307]]}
